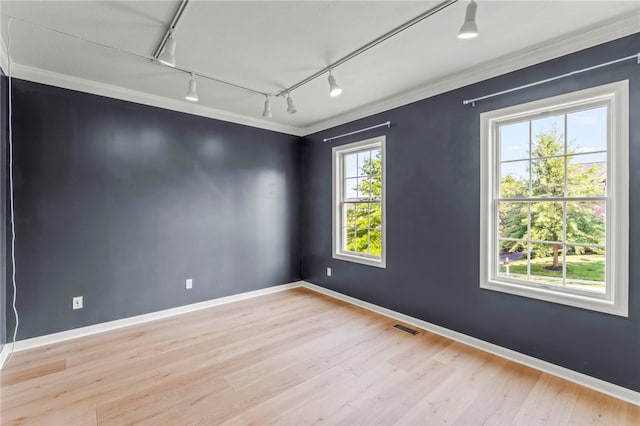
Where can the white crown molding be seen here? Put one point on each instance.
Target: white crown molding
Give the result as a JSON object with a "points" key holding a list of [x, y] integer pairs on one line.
{"points": [[602, 33], [51, 78], [75, 333], [564, 373]]}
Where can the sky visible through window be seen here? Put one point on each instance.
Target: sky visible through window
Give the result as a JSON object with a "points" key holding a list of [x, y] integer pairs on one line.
{"points": [[586, 132]]}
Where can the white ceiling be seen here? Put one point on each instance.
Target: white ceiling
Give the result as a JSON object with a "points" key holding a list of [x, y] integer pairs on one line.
{"points": [[269, 46]]}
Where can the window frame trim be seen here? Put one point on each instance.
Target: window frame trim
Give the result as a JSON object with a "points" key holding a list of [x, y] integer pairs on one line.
{"points": [[616, 299], [337, 171]]}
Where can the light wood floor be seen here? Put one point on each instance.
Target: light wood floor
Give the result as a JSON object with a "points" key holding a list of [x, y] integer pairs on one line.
{"points": [[294, 357]]}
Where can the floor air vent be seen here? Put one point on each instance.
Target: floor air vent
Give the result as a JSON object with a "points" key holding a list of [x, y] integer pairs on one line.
{"points": [[405, 329]]}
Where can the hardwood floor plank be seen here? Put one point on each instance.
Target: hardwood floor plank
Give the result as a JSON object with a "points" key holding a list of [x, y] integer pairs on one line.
{"points": [[593, 408], [308, 394], [551, 402], [226, 339], [500, 400], [33, 372], [390, 395], [295, 357]]}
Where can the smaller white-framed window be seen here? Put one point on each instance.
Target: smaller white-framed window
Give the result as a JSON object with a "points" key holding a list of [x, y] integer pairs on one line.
{"points": [[359, 214], [554, 207]]}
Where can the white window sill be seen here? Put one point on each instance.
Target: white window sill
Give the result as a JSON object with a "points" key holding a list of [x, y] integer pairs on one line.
{"points": [[364, 260], [599, 304]]}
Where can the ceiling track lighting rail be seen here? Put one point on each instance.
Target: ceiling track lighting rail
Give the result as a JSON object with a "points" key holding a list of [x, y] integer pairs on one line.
{"points": [[174, 22], [141, 56], [165, 55], [371, 44], [355, 132], [547, 80]]}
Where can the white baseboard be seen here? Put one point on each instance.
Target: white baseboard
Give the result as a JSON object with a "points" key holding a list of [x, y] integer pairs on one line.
{"points": [[62, 336], [544, 366], [4, 354]]}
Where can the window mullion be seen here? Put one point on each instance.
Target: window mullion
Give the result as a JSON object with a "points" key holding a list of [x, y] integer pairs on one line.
{"points": [[564, 203], [529, 204], [552, 199], [564, 244]]}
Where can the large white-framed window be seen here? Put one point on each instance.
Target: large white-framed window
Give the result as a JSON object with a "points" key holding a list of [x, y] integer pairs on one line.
{"points": [[555, 199], [359, 217]]}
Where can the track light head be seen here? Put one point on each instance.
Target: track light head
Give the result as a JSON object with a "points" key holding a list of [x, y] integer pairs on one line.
{"points": [[334, 89], [469, 29], [267, 107], [168, 55], [192, 93], [291, 108]]}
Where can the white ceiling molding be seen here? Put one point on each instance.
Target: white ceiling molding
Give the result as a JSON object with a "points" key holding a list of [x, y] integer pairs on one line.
{"points": [[614, 29], [603, 32], [3, 49], [4, 57], [88, 86]]}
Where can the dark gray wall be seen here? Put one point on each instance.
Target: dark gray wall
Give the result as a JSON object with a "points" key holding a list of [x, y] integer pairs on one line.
{"points": [[433, 172], [120, 203], [3, 208]]}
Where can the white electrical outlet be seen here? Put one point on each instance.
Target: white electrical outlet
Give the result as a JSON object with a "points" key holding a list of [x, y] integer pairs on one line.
{"points": [[328, 272], [189, 283], [77, 302]]}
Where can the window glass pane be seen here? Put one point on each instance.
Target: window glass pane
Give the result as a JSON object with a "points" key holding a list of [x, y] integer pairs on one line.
{"points": [[547, 177], [547, 136], [375, 242], [512, 259], [374, 171], [349, 218], [546, 221], [351, 165], [514, 179], [587, 130], [375, 190], [512, 220], [350, 239], [586, 222], [351, 188], [586, 268], [362, 216], [376, 162], [375, 215], [546, 263], [368, 215], [587, 175], [364, 163], [514, 141], [362, 240], [366, 190]]}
